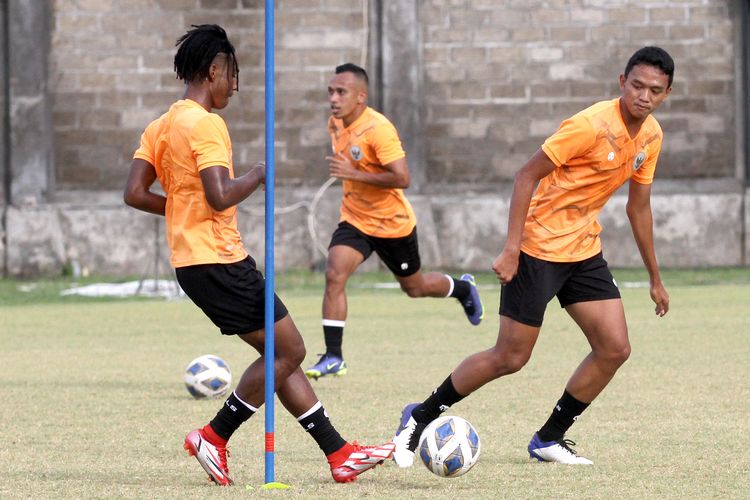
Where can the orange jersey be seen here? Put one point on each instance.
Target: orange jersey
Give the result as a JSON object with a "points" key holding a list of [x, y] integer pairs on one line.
{"points": [[594, 155], [179, 144], [371, 142]]}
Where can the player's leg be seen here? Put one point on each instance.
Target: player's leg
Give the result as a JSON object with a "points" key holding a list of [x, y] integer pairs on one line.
{"points": [[523, 302], [346, 460], [401, 255], [603, 323], [592, 299], [209, 443], [233, 297], [348, 249], [511, 352]]}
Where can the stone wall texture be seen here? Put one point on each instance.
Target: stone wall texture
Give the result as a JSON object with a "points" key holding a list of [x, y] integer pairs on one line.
{"points": [[498, 79], [474, 86]]}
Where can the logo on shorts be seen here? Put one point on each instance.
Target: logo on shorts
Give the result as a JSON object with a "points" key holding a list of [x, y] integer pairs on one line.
{"points": [[356, 153], [614, 282], [611, 156], [404, 266], [639, 159]]}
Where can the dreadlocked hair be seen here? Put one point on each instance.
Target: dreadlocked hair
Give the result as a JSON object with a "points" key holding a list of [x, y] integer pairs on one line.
{"points": [[197, 50]]}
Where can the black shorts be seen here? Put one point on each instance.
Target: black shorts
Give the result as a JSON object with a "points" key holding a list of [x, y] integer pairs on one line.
{"points": [[231, 295], [525, 298], [401, 255]]}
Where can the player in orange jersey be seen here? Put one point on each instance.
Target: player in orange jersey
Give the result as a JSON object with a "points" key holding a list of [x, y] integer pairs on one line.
{"points": [[375, 214], [553, 249], [189, 151]]}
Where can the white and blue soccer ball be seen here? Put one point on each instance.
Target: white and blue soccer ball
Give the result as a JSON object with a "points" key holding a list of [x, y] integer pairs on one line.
{"points": [[207, 376], [449, 446]]}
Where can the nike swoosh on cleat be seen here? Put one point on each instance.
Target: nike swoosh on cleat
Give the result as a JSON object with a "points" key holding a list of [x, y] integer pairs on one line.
{"points": [[328, 367]]}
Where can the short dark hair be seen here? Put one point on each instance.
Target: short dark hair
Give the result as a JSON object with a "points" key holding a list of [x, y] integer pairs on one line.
{"points": [[197, 50], [356, 70], [652, 56]]}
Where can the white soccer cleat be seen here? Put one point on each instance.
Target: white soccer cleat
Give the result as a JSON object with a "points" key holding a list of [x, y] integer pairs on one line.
{"points": [[212, 458], [404, 452], [559, 451]]}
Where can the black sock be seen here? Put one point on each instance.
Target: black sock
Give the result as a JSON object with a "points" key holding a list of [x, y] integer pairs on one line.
{"points": [[461, 289], [566, 411], [318, 425], [334, 337], [233, 414], [440, 400]]}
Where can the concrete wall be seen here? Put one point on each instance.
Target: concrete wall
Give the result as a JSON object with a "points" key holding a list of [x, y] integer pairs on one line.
{"points": [[693, 229], [474, 87]]}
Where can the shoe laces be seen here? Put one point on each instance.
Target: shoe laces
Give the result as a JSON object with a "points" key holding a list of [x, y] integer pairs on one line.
{"points": [[223, 454], [566, 444], [323, 357], [415, 435]]}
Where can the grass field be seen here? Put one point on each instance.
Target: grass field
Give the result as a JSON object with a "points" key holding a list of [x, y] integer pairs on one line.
{"points": [[93, 404]]}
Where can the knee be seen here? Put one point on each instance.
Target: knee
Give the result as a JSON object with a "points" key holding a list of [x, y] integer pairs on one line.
{"points": [[505, 363], [622, 355], [297, 356], [289, 360], [617, 355], [335, 278]]}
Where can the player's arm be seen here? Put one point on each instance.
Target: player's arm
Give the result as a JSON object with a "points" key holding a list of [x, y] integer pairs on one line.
{"points": [[642, 222], [538, 167], [394, 174], [137, 190], [223, 192]]}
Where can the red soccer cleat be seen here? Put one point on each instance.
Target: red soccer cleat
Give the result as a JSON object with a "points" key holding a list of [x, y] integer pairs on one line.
{"points": [[353, 459], [213, 458]]}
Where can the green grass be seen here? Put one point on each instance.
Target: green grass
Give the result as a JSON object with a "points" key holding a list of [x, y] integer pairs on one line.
{"points": [[94, 405]]}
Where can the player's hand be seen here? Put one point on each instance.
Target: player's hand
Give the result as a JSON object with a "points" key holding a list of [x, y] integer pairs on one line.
{"points": [[341, 167], [506, 266], [660, 297], [260, 170]]}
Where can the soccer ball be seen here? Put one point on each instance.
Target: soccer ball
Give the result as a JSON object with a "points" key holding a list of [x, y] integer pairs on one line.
{"points": [[207, 376], [449, 446]]}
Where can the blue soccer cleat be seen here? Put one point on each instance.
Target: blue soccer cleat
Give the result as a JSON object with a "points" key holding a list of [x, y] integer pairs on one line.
{"points": [[559, 451], [329, 364], [473, 303]]}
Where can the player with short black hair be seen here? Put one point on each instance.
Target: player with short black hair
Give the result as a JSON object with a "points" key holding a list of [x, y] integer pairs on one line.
{"points": [[652, 56], [553, 249], [353, 69], [375, 215], [189, 151]]}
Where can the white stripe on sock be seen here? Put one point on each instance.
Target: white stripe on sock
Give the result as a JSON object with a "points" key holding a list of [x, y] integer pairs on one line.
{"points": [[249, 406], [334, 322], [450, 280], [310, 411]]}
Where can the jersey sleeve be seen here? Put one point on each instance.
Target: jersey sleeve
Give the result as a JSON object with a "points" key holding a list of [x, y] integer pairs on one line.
{"points": [[209, 141], [573, 139], [146, 150], [645, 174], [386, 143]]}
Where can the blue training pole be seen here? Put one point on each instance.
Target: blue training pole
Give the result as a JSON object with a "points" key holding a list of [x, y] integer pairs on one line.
{"points": [[269, 291]]}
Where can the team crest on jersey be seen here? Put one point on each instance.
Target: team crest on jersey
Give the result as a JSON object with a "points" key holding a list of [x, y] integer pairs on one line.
{"points": [[356, 153], [639, 159]]}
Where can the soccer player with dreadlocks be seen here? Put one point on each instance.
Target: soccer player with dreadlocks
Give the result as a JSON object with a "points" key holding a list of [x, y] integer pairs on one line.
{"points": [[189, 151]]}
